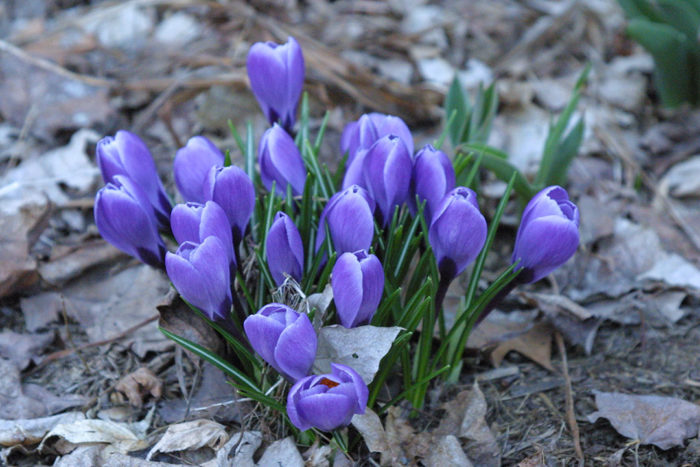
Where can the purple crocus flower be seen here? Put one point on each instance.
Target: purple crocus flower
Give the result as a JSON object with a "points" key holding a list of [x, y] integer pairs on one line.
{"points": [[125, 219], [548, 234], [276, 74], [358, 283], [231, 188], [126, 154], [362, 134], [433, 176], [284, 338], [386, 169], [193, 222], [280, 161], [192, 165], [350, 220], [327, 401], [457, 233], [285, 252], [200, 272]]}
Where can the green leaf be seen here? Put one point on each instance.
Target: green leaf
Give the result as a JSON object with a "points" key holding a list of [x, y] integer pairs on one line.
{"points": [[484, 110], [682, 16], [456, 111], [640, 9], [493, 160], [670, 51]]}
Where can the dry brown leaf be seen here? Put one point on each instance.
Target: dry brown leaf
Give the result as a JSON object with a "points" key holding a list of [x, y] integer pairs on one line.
{"points": [[121, 436], [536, 344], [448, 451], [30, 431], [282, 452], [238, 451], [138, 384], [662, 421], [40, 310], [190, 436], [482, 448], [22, 348], [372, 431], [535, 460]]}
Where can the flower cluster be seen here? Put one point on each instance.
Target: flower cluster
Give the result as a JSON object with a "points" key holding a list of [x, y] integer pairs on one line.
{"points": [[383, 178]]}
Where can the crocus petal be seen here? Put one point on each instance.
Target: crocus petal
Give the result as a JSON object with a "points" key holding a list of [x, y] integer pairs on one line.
{"points": [[296, 348], [327, 411], [280, 161], [192, 165], [346, 373], [433, 176], [231, 188], [392, 125], [387, 172], [545, 244], [263, 334], [458, 230], [346, 282], [285, 251]]}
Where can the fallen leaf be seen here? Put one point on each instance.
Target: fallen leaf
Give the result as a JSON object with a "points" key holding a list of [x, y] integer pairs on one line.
{"points": [[662, 421], [361, 348], [138, 384], [238, 451], [22, 348], [23, 219], [675, 271], [448, 451], [30, 431], [41, 310], [18, 401], [683, 179], [282, 452], [69, 263], [190, 436], [317, 455], [482, 447], [535, 460], [214, 399], [106, 304], [179, 319], [121, 436], [536, 344], [370, 428]]}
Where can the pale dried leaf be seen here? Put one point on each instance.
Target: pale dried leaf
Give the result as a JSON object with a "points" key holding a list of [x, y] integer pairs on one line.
{"points": [[361, 348], [138, 384], [536, 344], [190, 436], [238, 451], [282, 452], [483, 447], [31, 431], [120, 435], [662, 421], [21, 348], [372, 431], [448, 451], [683, 179]]}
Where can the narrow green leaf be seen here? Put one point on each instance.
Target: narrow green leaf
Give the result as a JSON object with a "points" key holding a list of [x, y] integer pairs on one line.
{"points": [[456, 104]]}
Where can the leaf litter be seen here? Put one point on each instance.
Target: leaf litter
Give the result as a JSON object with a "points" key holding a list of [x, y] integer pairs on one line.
{"points": [[636, 275]]}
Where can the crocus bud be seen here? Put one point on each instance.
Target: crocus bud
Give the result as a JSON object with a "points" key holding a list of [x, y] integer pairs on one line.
{"points": [[285, 252], [231, 188], [125, 219], [433, 176], [392, 125], [280, 161], [457, 232], [192, 165], [350, 220], [276, 74], [126, 154], [200, 273], [284, 338], [358, 136], [327, 401], [194, 222], [387, 170], [362, 134], [548, 234], [358, 282]]}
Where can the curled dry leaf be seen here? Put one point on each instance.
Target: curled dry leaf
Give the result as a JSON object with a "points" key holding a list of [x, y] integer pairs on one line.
{"points": [[361, 348], [238, 451], [372, 431], [282, 452], [536, 344], [138, 384], [448, 451], [30, 431], [190, 436], [662, 421]]}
